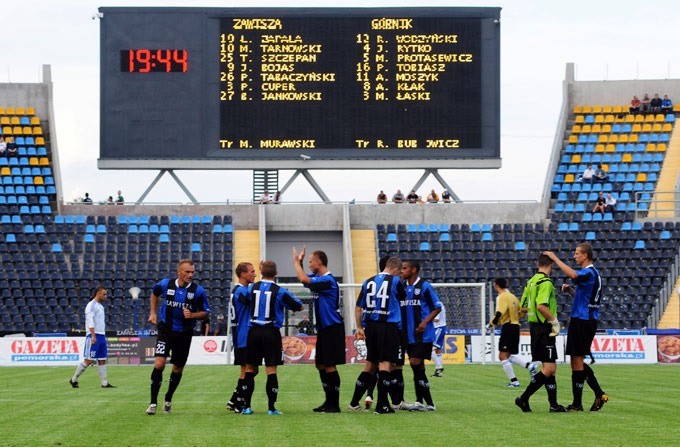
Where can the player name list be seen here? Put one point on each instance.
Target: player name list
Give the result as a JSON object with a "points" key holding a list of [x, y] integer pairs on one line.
{"points": [[362, 75]]}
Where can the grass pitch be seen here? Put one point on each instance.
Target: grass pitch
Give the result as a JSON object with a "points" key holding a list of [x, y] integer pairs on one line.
{"points": [[39, 408]]}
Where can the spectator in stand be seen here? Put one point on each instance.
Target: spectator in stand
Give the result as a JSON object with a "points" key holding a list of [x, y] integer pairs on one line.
{"points": [[446, 197], [87, 199], [221, 327], [398, 197], [600, 175], [433, 197], [265, 198], [610, 203], [600, 204], [382, 197], [305, 327], [588, 175], [277, 197], [11, 147], [666, 105], [635, 105], [412, 197], [646, 104], [120, 200], [3, 146], [656, 103]]}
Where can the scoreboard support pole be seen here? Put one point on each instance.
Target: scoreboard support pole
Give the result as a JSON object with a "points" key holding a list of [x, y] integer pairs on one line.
{"points": [[177, 180], [440, 179], [305, 173]]}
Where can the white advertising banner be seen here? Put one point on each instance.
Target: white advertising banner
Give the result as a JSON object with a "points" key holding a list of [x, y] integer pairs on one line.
{"points": [[208, 351], [40, 351], [492, 354]]}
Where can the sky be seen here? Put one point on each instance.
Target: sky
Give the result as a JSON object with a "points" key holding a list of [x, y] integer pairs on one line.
{"points": [[606, 39]]}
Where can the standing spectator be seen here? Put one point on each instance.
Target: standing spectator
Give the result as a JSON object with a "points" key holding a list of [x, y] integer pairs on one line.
{"points": [[412, 197], [583, 323], [267, 301], [433, 197], [600, 175], [277, 198], [610, 203], [382, 197], [120, 200], [239, 310], [3, 146], [95, 341], [221, 326], [645, 104], [539, 300], [202, 328], [666, 105], [588, 175], [600, 204], [265, 198], [87, 200], [655, 104], [446, 197], [382, 333], [438, 344], [507, 315], [422, 307], [635, 105], [398, 197], [175, 305], [330, 340]]}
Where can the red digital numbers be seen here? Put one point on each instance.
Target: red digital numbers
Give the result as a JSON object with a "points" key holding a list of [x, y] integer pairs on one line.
{"points": [[144, 60]]}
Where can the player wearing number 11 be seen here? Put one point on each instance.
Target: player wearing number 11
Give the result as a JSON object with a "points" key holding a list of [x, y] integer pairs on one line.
{"points": [[267, 302]]}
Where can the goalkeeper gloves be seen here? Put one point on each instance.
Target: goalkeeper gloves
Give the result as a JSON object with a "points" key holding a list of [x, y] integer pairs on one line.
{"points": [[489, 328], [555, 328]]}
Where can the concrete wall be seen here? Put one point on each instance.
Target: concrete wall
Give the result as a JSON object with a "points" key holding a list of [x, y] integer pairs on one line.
{"points": [[26, 95], [280, 249]]}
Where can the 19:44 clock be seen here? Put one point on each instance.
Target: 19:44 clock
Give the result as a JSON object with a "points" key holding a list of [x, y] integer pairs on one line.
{"points": [[144, 60]]}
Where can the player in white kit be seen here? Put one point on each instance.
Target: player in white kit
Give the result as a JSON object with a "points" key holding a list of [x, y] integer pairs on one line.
{"points": [[439, 333]]}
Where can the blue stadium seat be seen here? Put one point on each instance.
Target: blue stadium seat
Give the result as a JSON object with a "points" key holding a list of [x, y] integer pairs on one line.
{"points": [[639, 245], [90, 229], [487, 237], [122, 220], [573, 226], [444, 237], [563, 226], [520, 245], [590, 236], [412, 228], [424, 246], [89, 238], [195, 247], [132, 228], [626, 226], [229, 228], [587, 217], [665, 234], [165, 228], [56, 248], [391, 237], [164, 237]]}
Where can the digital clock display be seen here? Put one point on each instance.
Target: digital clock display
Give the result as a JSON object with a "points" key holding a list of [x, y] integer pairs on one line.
{"points": [[144, 60]]}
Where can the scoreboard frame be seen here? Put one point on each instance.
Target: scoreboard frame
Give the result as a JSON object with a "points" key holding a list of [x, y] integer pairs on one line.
{"points": [[168, 119]]}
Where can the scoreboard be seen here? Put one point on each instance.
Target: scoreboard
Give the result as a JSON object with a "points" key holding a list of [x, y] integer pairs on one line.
{"points": [[211, 88]]}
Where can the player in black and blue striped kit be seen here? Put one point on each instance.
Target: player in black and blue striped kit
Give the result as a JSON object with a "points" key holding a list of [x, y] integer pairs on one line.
{"points": [[330, 327], [239, 316], [267, 302], [175, 307]]}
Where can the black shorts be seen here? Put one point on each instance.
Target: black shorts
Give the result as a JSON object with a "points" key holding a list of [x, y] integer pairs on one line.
{"points": [[383, 343], [580, 336], [330, 346], [173, 344], [403, 344], [509, 341], [542, 345], [240, 356], [420, 350], [264, 342]]}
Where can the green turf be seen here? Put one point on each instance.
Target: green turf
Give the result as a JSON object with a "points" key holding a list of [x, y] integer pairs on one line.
{"points": [[39, 408]]}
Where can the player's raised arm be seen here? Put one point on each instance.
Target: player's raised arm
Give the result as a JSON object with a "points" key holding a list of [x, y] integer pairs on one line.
{"points": [[298, 258]]}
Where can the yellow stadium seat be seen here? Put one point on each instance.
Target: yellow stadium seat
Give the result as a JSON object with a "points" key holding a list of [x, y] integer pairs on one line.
{"points": [[651, 147], [578, 110], [20, 111], [37, 130], [639, 118], [2, 110], [14, 121], [649, 118], [569, 178], [4, 121], [33, 161], [9, 111], [613, 138], [607, 128], [35, 121], [676, 108], [39, 141], [603, 138], [641, 177], [30, 111], [27, 130], [586, 128], [576, 158], [627, 158], [16, 130], [610, 147], [599, 148], [38, 180], [576, 128], [609, 119], [656, 127], [599, 119], [597, 128], [605, 167], [646, 127], [44, 161], [7, 130], [587, 109], [659, 118], [579, 119], [623, 138], [607, 109], [637, 128], [629, 119], [5, 171], [619, 118], [631, 138], [573, 139], [667, 127], [661, 147], [597, 109], [617, 110]]}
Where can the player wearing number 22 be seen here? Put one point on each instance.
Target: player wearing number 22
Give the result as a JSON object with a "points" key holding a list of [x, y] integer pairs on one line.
{"points": [[380, 299], [267, 301], [539, 300]]}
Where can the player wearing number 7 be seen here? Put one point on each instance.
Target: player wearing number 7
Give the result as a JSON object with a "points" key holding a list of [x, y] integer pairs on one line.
{"points": [[539, 300]]}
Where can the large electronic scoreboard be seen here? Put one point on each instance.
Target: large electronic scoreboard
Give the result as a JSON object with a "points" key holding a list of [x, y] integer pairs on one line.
{"points": [[367, 88]]}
